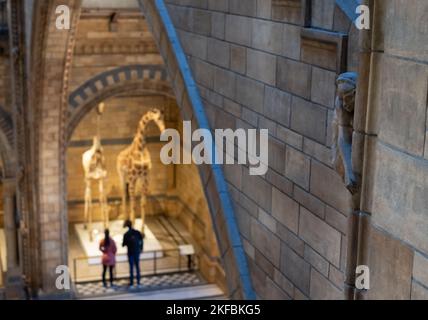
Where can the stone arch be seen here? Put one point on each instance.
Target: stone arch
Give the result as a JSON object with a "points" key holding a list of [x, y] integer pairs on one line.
{"points": [[140, 79], [52, 51]]}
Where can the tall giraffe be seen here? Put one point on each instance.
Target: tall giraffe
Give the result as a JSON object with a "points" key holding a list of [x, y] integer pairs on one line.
{"points": [[134, 164], [94, 167]]}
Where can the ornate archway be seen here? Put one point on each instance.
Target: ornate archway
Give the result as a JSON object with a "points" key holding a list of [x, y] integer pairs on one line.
{"points": [[136, 79], [55, 116]]}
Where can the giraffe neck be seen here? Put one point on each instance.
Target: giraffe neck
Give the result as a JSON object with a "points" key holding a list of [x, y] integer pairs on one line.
{"points": [[140, 138]]}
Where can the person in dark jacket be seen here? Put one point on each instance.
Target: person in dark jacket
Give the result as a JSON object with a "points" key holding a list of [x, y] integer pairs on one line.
{"points": [[133, 240]]}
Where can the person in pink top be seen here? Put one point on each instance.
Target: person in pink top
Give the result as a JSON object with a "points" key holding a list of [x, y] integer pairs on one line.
{"points": [[108, 248]]}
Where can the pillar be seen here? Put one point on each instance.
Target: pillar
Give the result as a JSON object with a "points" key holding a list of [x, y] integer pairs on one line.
{"points": [[14, 283]]}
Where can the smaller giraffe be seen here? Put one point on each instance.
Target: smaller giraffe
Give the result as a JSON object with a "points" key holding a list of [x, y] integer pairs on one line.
{"points": [[94, 167], [134, 164]]}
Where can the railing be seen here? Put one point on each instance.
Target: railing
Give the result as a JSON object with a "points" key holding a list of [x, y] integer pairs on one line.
{"points": [[162, 262]]}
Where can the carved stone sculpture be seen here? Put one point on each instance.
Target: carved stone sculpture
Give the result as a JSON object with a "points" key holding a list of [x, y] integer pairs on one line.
{"points": [[343, 129], [94, 167], [134, 164]]}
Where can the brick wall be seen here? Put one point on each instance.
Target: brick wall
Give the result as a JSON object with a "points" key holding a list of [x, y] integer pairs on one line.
{"points": [[249, 62], [99, 49]]}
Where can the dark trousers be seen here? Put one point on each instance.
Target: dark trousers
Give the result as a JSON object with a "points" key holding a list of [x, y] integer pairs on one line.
{"points": [[134, 261], [111, 274]]}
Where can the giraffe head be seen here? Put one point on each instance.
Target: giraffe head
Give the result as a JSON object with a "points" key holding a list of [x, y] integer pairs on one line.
{"points": [[157, 116]]}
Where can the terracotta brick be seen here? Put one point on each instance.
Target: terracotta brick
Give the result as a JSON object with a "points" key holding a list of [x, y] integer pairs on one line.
{"points": [[218, 25], [308, 119], [310, 202], [276, 155], [419, 292], [327, 185], [295, 268], [220, 5], [218, 52], [291, 239], [277, 105], [323, 87], [238, 59], [336, 220], [291, 41], [267, 220], [320, 236], [238, 30], [420, 269], [265, 242], [297, 167], [322, 289], [261, 66], [336, 276], [289, 137], [389, 259], [316, 260], [267, 36], [225, 82], [280, 182], [274, 292], [245, 8], [283, 282], [294, 77], [285, 210], [264, 263], [250, 93], [264, 9]]}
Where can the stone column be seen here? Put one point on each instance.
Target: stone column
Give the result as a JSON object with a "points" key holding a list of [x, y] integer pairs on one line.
{"points": [[9, 190], [13, 275]]}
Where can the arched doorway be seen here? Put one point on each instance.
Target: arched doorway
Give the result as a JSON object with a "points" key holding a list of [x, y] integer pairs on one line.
{"points": [[177, 210], [52, 60]]}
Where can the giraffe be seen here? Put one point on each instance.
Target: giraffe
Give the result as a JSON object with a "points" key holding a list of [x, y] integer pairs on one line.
{"points": [[134, 164], [93, 162]]}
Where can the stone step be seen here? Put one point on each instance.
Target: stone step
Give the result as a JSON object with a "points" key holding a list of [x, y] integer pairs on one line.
{"points": [[202, 292]]}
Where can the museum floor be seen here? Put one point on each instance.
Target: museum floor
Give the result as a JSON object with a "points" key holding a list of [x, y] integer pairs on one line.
{"points": [[166, 273]]}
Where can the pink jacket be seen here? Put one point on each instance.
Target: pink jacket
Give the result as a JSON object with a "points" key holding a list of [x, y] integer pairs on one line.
{"points": [[109, 253]]}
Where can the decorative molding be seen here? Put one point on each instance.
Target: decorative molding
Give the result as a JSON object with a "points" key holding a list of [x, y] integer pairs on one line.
{"points": [[325, 49], [116, 46], [142, 79]]}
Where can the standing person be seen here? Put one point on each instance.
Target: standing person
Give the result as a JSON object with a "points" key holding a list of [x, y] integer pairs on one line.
{"points": [[108, 248], [133, 240]]}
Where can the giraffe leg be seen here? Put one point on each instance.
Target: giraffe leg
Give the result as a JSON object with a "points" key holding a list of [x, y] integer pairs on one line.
{"points": [[103, 203], [144, 193], [131, 189], [87, 201], [123, 187], [90, 213]]}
